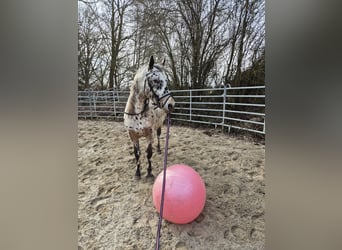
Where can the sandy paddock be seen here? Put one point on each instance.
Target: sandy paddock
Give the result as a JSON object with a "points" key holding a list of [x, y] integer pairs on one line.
{"points": [[116, 211]]}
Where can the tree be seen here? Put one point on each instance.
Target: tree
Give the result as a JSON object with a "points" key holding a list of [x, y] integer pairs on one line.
{"points": [[89, 55], [116, 10], [203, 21], [157, 27], [205, 42], [247, 37]]}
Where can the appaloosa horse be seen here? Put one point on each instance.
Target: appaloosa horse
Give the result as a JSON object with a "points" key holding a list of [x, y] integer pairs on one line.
{"points": [[148, 102]]}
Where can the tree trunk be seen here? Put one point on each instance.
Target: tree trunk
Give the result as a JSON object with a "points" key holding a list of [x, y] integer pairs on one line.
{"points": [[113, 41], [241, 44], [229, 67]]}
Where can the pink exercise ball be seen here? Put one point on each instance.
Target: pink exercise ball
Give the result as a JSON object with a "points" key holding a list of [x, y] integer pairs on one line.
{"points": [[184, 196]]}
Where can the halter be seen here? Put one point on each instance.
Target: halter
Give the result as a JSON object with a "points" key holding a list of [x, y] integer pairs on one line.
{"points": [[158, 105], [168, 94]]}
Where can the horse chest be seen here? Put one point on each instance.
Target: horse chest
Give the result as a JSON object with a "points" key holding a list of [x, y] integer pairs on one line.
{"points": [[140, 123]]}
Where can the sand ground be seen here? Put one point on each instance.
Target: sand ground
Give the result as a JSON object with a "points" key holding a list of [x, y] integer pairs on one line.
{"points": [[116, 211]]}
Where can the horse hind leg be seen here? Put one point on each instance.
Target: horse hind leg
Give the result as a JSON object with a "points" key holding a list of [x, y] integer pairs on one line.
{"points": [[158, 137]]}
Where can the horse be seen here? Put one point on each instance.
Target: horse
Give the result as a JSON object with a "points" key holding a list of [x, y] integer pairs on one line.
{"points": [[148, 103]]}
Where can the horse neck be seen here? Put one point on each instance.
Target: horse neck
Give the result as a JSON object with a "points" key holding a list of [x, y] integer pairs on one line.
{"points": [[136, 100]]}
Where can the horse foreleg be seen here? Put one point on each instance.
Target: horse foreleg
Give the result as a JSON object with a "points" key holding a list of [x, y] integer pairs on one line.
{"points": [[149, 156], [158, 137], [137, 158]]}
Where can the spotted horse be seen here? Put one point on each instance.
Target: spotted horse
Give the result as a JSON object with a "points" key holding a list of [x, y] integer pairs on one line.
{"points": [[148, 103]]}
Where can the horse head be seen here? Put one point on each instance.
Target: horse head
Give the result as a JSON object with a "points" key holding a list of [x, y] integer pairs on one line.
{"points": [[157, 84]]}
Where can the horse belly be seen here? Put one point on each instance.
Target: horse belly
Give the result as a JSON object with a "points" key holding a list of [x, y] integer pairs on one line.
{"points": [[140, 126]]}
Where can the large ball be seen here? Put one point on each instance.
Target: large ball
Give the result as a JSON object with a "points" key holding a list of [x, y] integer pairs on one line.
{"points": [[185, 194]]}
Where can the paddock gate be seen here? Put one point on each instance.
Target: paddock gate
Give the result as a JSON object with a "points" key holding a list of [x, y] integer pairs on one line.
{"points": [[241, 108]]}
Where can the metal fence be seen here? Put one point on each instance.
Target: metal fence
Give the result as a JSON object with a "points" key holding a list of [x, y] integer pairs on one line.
{"points": [[101, 104], [228, 107]]}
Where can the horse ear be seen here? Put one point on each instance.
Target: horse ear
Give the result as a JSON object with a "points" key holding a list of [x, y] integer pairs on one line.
{"points": [[163, 62], [150, 66]]}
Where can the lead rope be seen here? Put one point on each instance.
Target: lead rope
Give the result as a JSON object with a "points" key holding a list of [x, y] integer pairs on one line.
{"points": [[164, 180]]}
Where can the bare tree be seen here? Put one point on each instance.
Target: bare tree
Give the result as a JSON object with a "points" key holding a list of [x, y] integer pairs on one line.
{"points": [[157, 27], [116, 10], [247, 37], [89, 58], [203, 21], [204, 41]]}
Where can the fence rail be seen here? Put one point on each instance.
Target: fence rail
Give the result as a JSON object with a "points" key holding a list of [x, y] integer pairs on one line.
{"points": [[240, 108]]}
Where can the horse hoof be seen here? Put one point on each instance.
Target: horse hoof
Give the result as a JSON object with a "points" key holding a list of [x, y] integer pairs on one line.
{"points": [[150, 177], [159, 151], [137, 176]]}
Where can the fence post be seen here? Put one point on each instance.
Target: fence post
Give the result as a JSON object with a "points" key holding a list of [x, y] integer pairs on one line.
{"points": [[95, 100], [114, 106], [190, 103], [90, 104], [224, 105]]}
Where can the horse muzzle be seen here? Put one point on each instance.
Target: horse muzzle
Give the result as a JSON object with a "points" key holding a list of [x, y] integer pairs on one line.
{"points": [[169, 105]]}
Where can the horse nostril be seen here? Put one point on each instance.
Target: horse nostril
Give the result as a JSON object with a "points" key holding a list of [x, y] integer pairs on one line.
{"points": [[170, 107]]}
